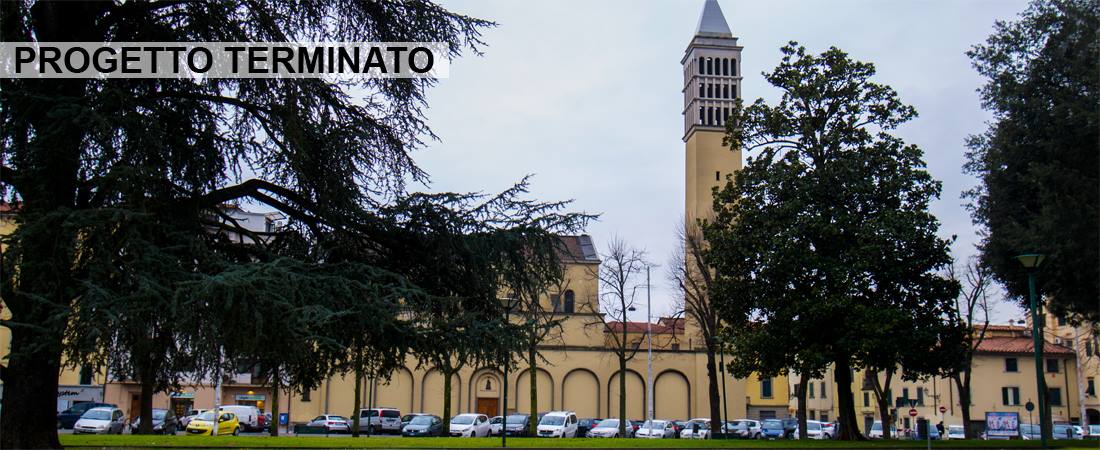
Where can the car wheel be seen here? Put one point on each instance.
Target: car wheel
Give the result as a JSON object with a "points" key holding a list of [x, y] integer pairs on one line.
{"points": [[237, 431]]}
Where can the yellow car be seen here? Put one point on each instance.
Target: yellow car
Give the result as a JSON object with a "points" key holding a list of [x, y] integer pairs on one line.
{"points": [[204, 423]]}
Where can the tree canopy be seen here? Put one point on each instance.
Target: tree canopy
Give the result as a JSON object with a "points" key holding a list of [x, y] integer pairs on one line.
{"points": [[1038, 163]]}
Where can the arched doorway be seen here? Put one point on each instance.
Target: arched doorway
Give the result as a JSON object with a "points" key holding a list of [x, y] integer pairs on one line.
{"points": [[486, 393]]}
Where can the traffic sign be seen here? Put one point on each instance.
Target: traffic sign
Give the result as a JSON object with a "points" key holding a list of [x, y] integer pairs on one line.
{"points": [[913, 412], [943, 409], [1029, 406]]}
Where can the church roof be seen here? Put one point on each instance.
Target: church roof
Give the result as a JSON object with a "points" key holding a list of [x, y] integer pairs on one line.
{"points": [[712, 22]]}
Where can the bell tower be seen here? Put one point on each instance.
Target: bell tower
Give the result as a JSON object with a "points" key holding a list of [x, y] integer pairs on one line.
{"points": [[712, 82]]}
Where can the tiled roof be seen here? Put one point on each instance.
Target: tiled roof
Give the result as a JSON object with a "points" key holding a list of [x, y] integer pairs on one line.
{"points": [[992, 327], [640, 327], [579, 249], [1019, 345]]}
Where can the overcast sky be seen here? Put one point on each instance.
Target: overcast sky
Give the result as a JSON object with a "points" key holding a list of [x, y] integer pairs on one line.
{"points": [[586, 96]]}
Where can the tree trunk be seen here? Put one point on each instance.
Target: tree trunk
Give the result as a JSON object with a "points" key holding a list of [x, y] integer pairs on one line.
{"points": [[357, 401], [882, 400], [846, 411], [712, 387], [532, 364], [622, 393], [446, 400], [964, 403], [274, 430], [146, 413], [30, 395], [800, 392]]}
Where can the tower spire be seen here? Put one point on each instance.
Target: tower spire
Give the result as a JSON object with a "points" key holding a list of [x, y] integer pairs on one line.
{"points": [[712, 22]]}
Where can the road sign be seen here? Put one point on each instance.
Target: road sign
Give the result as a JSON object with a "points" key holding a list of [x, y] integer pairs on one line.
{"points": [[913, 412], [943, 409], [1029, 406]]}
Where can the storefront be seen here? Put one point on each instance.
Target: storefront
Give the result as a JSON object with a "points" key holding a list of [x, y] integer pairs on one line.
{"points": [[68, 396], [182, 403], [251, 398]]}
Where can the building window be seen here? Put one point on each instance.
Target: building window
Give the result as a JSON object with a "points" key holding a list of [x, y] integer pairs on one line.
{"points": [[813, 413], [733, 67], [305, 395], [1052, 365], [710, 90], [570, 301], [823, 389], [702, 90], [710, 116], [766, 388], [717, 176], [866, 399], [824, 417], [710, 66], [920, 397], [811, 385], [702, 114], [1010, 396], [1091, 389], [1010, 365], [725, 113], [1055, 396], [85, 375], [702, 64], [905, 396]]}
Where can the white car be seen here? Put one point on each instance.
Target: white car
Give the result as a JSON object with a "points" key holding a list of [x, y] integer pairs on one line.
{"points": [[248, 415], [953, 432], [496, 423], [380, 419], [814, 430], [607, 428], [656, 429], [745, 428], [331, 423], [876, 431], [559, 424], [101, 420], [469, 425], [689, 429]]}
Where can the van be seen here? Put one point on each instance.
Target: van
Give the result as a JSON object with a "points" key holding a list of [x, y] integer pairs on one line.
{"points": [[560, 424], [381, 420], [248, 415]]}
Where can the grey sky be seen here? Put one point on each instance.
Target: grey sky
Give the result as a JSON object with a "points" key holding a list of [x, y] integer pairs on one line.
{"points": [[586, 96]]}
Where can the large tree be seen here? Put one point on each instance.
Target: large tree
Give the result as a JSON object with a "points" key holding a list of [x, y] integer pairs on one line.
{"points": [[826, 230], [1037, 162], [310, 142]]}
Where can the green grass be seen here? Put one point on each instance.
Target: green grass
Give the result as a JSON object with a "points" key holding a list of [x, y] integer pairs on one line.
{"points": [[391, 442]]}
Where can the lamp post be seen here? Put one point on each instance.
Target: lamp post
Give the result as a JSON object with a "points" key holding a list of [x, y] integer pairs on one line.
{"points": [[649, 345], [1031, 262]]}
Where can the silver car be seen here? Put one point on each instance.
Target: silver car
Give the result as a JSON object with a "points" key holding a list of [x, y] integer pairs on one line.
{"points": [[656, 429], [101, 420]]}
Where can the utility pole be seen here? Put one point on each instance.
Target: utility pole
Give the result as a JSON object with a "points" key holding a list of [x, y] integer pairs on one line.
{"points": [[217, 396], [649, 344]]}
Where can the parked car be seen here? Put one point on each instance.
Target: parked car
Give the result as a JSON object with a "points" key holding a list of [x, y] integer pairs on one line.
{"points": [[1093, 432], [469, 425], [745, 428], [814, 430], [956, 432], [558, 424], [164, 422], [876, 431], [248, 415], [517, 425], [203, 424], [1064, 431], [828, 429], [381, 420], [789, 425], [331, 423], [186, 419], [496, 423], [423, 425], [634, 425], [696, 429], [656, 429], [1030, 432], [679, 425], [772, 429], [607, 428], [100, 420], [585, 425], [405, 419], [68, 417]]}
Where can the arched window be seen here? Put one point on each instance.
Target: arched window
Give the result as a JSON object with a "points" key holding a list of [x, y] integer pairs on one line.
{"points": [[733, 67], [570, 301], [710, 66], [725, 66], [702, 63]]}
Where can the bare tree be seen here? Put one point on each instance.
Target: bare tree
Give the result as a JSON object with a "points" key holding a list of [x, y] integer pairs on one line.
{"points": [[972, 309], [540, 324], [618, 275], [692, 276]]}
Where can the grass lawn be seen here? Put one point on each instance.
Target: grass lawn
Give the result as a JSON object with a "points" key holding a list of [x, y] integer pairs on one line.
{"points": [[388, 442]]}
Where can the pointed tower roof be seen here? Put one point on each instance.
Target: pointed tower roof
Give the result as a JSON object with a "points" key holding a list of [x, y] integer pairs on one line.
{"points": [[712, 22]]}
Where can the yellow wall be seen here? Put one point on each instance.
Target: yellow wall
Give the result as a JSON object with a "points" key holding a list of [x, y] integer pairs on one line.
{"points": [[705, 156]]}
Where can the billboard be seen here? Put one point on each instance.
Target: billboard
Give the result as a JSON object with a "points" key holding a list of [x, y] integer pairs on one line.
{"points": [[1002, 424]]}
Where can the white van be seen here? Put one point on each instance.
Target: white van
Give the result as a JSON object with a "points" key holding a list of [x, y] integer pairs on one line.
{"points": [[559, 424], [248, 415]]}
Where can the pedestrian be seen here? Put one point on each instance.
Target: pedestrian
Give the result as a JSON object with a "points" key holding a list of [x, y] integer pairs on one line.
{"points": [[939, 427], [695, 430]]}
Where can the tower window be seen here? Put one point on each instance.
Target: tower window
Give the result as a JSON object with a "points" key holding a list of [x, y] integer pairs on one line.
{"points": [[710, 66], [710, 116], [717, 176], [726, 91], [702, 64], [725, 66], [702, 90], [725, 114], [710, 90], [702, 115], [733, 67]]}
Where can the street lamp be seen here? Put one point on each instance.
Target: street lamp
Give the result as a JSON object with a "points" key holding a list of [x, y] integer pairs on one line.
{"points": [[649, 345], [1031, 262]]}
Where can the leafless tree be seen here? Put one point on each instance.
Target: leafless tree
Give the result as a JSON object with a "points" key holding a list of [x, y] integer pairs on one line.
{"points": [[619, 275], [691, 276], [972, 309]]}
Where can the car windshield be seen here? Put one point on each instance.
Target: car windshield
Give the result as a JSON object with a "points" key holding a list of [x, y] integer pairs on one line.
{"points": [[462, 420], [370, 413], [773, 424], [955, 427], [654, 424], [337, 418], [209, 415], [552, 420], [97, 414], [159, 414], [517, 419], [420, 420], [609, 423], [876, 427]]}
